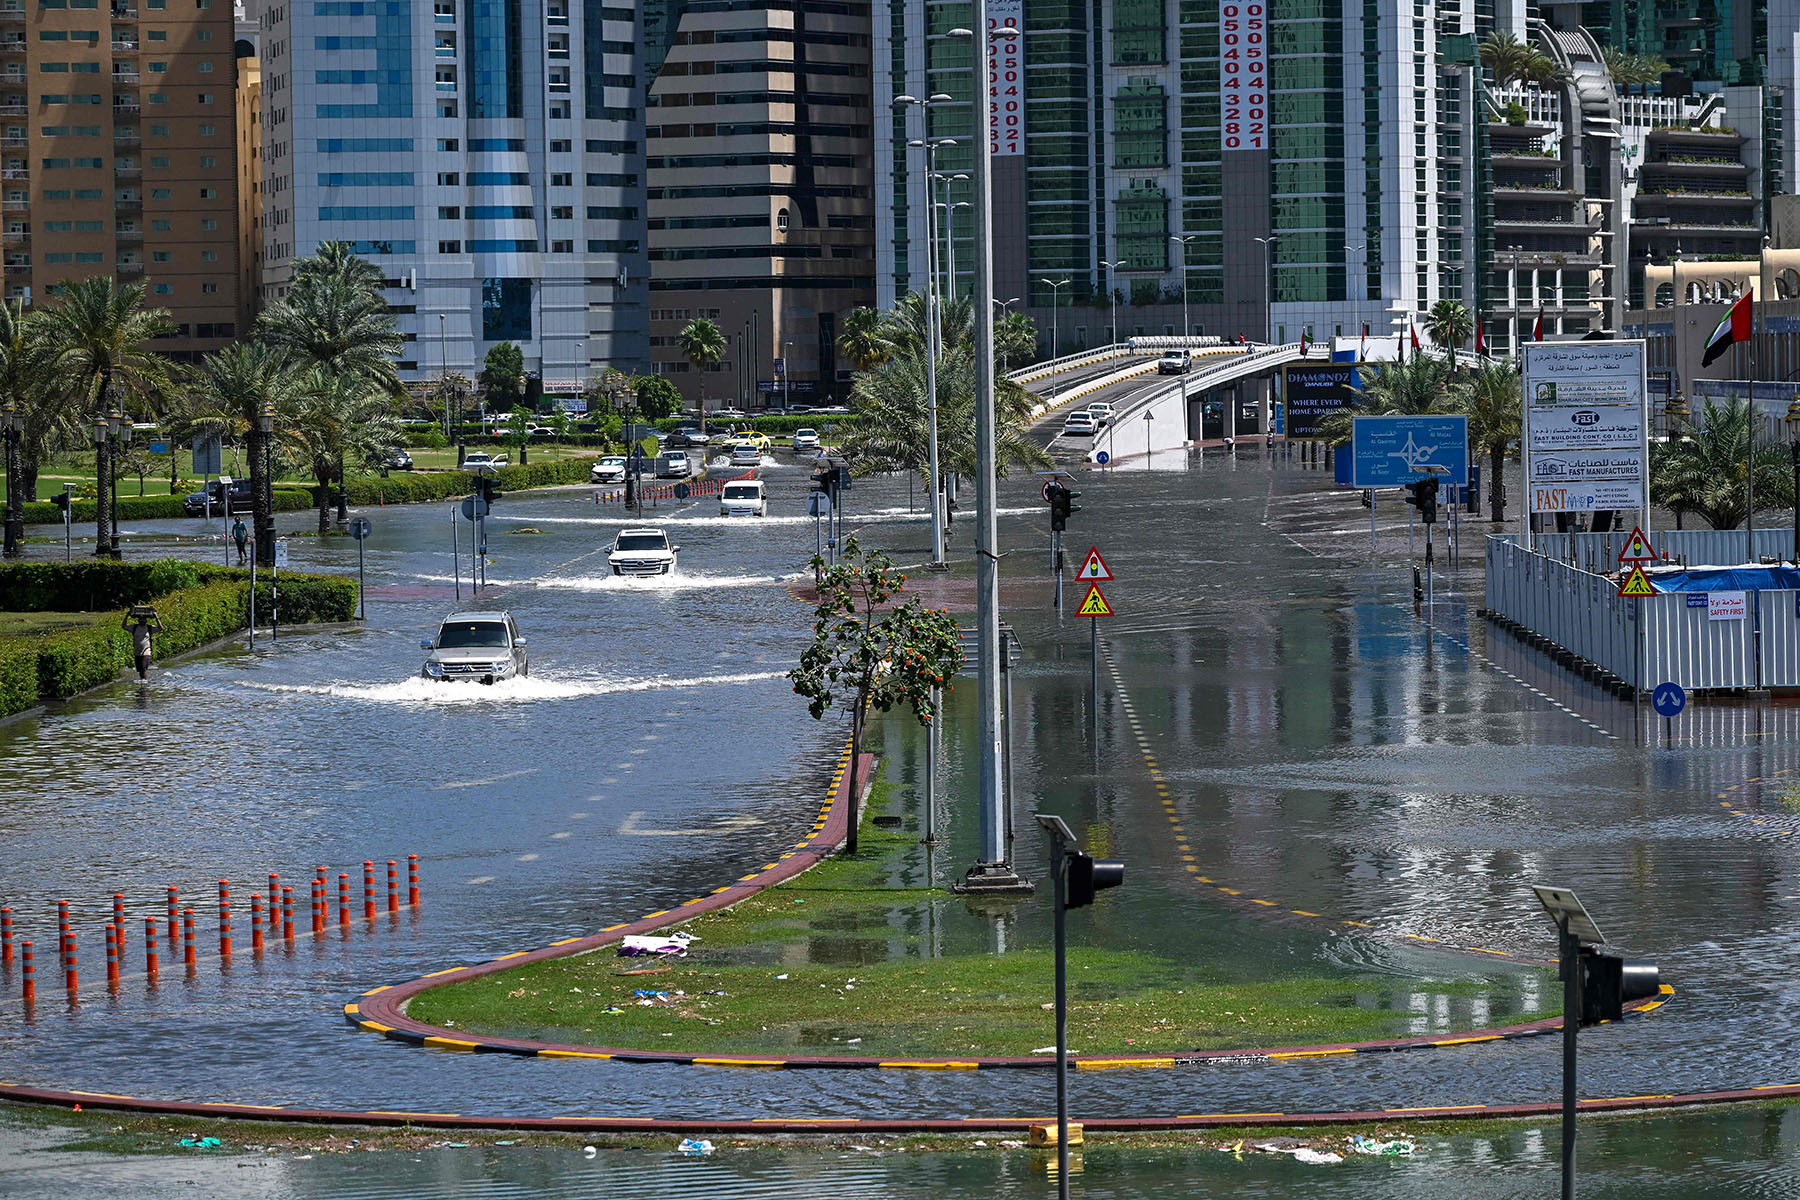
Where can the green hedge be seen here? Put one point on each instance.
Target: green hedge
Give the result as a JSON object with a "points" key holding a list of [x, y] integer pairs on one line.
{"points": [[151, 508], [413, 487], [206, 604]]}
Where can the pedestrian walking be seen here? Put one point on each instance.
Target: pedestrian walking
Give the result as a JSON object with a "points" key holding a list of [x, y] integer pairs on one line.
{"points": [[241, 535], [141, 624]]}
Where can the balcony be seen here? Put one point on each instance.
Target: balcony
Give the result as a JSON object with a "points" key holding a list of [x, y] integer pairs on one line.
{"points": [[124, 12], [12, 45], [16, 205], [13, 106], [14, 143], [129, 109], [124, 47], [21, 174], [125, 135], [17, 235], [127, 77], [11, 13], [125, 202], [127, 171], [130, 268], [129, 233]]}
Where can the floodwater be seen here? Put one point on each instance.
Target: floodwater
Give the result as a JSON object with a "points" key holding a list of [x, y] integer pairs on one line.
{"points": [[1325, 749]]}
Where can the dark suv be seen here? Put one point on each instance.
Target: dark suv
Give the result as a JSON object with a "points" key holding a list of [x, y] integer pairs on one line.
{"points": [[194, 504]]}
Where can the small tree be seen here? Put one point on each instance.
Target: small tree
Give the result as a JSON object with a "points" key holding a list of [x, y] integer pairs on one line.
{"points": [[503, 375], [518, 433], [866, 657], [657, 397]]}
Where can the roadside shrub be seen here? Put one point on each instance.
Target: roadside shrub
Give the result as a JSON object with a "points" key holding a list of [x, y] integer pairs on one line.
{"points": [[18, 674], [150, 508], [79, 659], [412, 487]]}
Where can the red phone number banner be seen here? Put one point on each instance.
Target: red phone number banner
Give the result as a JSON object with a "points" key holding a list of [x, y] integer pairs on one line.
{"points": [[1006, 79], [1243, 76]]}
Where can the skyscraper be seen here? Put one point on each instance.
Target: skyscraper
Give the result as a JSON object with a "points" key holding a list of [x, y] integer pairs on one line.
{"points": [[488, 155]]}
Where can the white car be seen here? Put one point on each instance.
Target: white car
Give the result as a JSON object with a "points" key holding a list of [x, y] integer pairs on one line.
{"points": [[1103, 412], [743, 498], [806, 439], [642, 552], [1175, 362], [481, 461], [484, 646], [610, 469], [729, 414], [672, 464], [746, 454], [1080, 424]]}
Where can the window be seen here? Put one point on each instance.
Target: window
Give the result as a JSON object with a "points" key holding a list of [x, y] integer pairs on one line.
{"points": [[506, 310], [205, 35], [159, 256], [162, 289], [559, 146], [156, 98], [448, 143], [449, 178], [156, 68], [565, 247], [449, 247], [209, 256], [448, 212], [209, 289], [159, 225], [208, 224], [202, 97], [160, 193], [159, 161], [88, 257], [208, 130], [58, 226], [209, 193], [208, 160], [61, 257], [564, 213], [560, 180], [159, 131], [159, 35]]}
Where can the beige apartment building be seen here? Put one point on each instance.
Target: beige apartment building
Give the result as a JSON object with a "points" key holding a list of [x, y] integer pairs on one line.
{"points": [[118, 155], [760, 176]]}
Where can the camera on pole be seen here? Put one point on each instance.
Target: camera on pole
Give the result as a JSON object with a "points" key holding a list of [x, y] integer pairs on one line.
{"points": [[1088, 875]]}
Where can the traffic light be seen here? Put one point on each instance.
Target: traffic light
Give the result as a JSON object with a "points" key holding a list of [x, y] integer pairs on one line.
{"points": [[488, 489], [61, 501], [1060, 505], [1088, 875], [1422, 494]]}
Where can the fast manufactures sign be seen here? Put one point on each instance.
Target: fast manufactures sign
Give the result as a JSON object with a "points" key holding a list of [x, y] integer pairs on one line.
{"points": [[1243, 76], [1586, 426]]}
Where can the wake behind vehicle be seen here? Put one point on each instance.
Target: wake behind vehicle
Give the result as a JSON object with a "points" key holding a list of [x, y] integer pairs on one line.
{"points": [[743, 498], [482, 646], [642, 552], [746, 454]]}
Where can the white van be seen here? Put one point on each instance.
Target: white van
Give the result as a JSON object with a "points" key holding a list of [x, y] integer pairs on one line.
{"points": [[743, 498]]}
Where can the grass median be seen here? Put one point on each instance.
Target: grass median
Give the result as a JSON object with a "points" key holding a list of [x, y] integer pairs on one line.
{"points": [[853, 959]]}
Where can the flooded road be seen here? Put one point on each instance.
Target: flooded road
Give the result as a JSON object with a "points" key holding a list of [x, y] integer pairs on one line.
{"points": [[1325, 751]]}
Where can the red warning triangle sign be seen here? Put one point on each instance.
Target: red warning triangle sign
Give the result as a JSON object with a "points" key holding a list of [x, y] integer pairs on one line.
{"points": [[1094, 567], [1637, 548], [1094, 605], [1637, 583]]}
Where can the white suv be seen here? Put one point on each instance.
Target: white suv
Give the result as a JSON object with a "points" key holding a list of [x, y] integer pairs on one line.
{"points": [[610, 469], [742, 498], [642, 552], [476, 645], [1175, 362]]}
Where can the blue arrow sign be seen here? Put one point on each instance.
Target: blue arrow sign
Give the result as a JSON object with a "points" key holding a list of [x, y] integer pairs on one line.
{"points": [[1391, 451], [1102, 457], [1668, 699]]}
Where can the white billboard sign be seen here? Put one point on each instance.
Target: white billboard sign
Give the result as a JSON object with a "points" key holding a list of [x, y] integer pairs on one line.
{"points": [[1244, 75], [1006, 79], [1587, 434]]}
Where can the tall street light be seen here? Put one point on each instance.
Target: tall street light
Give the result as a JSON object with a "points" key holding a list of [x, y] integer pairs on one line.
{"points": [[932, 328], [262, 504], [1268, 245], [14, 423], [1112, 296], [1362, 286], [992, 870], [1056, 286], [950, 238], [1182, 240]]}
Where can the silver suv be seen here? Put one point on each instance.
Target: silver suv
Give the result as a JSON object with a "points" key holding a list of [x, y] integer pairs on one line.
{"points": [[476, 645]]}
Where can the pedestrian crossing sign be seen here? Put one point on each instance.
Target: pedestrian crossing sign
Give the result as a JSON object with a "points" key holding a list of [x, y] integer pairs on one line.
{"points": [[1637, 583], [1094, 567], [1094, 605]]}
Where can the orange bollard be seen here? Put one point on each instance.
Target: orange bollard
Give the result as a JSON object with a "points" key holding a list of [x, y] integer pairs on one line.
{"points": [[70, 980], [119, 923], [224, 918], [30, 973], [318, 907], [344, 899], [412, 880], [112, 957], [62, 931], [274, 897], [150, 967], [256, 932], [393, 886], [287, 913], [174, 920], [6, 949], [368, 890], [187, 939]]}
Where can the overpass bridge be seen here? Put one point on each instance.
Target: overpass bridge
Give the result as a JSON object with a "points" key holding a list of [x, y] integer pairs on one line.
{"points": [[1228, 393]]}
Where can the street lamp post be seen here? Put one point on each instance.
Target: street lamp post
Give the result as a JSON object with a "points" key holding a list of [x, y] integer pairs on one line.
{"points": [[932, 327], [1268, 245], [1362, 286], [1112, 298], [950, 238], [1056, 286], [262, 515], [1182, 239], [14, 422]]}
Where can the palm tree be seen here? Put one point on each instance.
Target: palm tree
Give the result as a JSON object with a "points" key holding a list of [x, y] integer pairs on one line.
{"points": [[329, 419], [231, 390], [99, 336], [703, 344], [1631, 68], [1418, 386], [1015, 339], [1509, 59], [1450, 324], [337, 259], [863, 340], [25, 372], [1491, 397], [1706, 471]]}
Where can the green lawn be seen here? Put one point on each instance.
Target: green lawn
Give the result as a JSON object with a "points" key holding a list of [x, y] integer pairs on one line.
{"points": [[840, 961], [38, 624]]}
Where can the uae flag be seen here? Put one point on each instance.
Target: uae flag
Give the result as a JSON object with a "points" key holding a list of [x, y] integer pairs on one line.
{"points": [[1415, 335], [1537, 330], [1305, 340], [1480, 338], [1733, 329]]}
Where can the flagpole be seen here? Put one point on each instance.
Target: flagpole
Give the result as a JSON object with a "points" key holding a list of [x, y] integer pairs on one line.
{"points": [[1750, 466]]}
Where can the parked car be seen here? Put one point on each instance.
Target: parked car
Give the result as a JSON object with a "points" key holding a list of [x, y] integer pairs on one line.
{"points": [[835, 410], [1175, 362], [729, 414], [687, 435], [806, 439], [746, 454], [398, 460], [673, 464], [743, 498], [194, 504], [642, 552], [1080, 423], [610, 469], [1103, 413], [480, 461], [484, 646]]}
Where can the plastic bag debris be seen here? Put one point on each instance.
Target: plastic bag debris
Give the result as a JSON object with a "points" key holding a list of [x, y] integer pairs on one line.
{"points": [[1397, 1148], [695, 1147], [1316, 1157], [200, 1143], [674, 944]]}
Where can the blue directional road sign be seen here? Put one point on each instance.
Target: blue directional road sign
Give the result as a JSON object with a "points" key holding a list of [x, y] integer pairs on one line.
{"points": [[1102, 457], [1392, 451], [1668, 699]]}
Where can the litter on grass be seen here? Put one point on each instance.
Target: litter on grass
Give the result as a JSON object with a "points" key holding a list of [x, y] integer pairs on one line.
{"points": [[201, 1143], [1397, 1148], [673, 944], [695, 1147]]}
